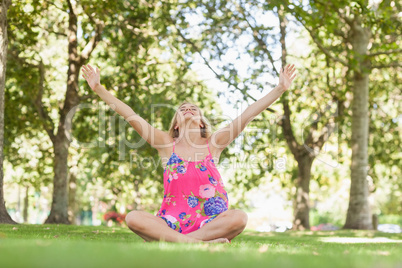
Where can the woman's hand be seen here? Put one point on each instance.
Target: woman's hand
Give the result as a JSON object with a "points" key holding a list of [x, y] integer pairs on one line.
{"points": [[286, 77], [91, 75]]}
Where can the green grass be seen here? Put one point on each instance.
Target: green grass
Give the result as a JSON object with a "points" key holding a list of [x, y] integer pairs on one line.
{"points": [[83, 246]]}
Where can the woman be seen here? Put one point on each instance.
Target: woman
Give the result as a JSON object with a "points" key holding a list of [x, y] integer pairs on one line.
{"points": [[195, 204]]}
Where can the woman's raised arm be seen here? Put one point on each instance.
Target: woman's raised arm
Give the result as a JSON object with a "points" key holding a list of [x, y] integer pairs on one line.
{"points": [[155, 137], [224, 136]]}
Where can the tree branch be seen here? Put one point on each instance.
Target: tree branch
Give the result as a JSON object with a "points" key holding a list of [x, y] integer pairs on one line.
{"points": [[326, 132], [315, 39], [314, 146], [337, 10], [322, 47], [220, 77], [329, 127], [46, 120], [314, 124], [389, 65], [384, 52], [260, 42], [72, 8], [290, 138], [90, 46], [58, 33]]}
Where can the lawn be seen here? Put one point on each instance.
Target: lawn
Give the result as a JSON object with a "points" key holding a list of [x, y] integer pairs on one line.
{"points": [[98, 246]]}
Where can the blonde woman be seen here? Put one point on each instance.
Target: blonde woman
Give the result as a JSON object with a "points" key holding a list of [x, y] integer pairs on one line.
{"points": [[195, 203]]}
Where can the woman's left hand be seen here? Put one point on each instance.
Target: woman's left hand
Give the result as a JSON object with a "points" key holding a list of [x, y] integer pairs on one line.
{"points": [[286, 76]]}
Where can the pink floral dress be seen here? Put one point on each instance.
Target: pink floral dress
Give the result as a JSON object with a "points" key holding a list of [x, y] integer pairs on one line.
{"points": [[194, 193]]}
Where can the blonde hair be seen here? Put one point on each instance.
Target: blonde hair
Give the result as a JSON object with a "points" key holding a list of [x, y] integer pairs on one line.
{"points": [[205, 131]]}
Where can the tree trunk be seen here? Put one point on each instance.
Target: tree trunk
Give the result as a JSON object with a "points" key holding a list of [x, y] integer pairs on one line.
{"points": [[359, 216], [4, 216], [59, 210], [301, 210], [302, 207], [61, 143], [26, 205]]}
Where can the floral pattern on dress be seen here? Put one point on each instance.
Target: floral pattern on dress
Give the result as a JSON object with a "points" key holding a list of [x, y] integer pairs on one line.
{"points": [[201, 167], [212, 180], [181, 169], [172, 222], [207, 191], [168, 198], [174, 159], [172, 176], [215, 206], [192, 201], [207, 220], [175, 167], [195, 194]]}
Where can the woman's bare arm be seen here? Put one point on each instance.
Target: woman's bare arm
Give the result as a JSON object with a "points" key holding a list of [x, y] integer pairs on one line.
{"points": [[223, 137], [155, 137]]}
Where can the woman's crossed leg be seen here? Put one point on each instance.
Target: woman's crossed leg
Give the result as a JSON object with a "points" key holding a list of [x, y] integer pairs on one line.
{"points": [[220, 230], [228, 224]]}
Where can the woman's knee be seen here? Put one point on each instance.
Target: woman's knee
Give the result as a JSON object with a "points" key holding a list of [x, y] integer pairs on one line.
{"points": [[243, 218], [239, 219], [134, 220]]}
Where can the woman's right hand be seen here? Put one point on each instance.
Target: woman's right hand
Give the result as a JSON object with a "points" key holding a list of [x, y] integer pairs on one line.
{"points": [[91, 75]]}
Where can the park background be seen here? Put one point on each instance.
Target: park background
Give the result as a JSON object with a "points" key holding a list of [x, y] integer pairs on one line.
{"points": [[327, 151]]}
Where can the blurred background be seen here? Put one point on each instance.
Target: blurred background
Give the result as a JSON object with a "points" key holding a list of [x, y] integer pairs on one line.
{"points": [[324, 156]]}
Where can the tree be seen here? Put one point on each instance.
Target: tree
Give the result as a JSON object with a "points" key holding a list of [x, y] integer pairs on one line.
{"points": [[368, 38], [5, 4], [306, 151], [384, 141], [238, 20], [59, 135], [133, 41], [25, 145], [151, 85]]}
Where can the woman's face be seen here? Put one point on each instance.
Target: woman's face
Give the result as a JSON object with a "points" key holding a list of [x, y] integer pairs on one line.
{"points": [[188, 110]]}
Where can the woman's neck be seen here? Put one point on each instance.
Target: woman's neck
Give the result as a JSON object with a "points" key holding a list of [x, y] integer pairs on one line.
{"points": [[190, 134], [190, 138]]}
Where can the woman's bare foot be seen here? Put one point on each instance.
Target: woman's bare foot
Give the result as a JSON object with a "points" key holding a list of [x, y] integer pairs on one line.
{"points": [[219, 240]]}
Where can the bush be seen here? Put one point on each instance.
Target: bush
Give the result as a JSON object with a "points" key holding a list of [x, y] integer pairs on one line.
{"points": [[317, 218], [114, 216], [392, 219]]}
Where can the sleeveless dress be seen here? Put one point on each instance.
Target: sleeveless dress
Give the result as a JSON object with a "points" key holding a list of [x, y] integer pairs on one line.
{"points": [[194, 193]]}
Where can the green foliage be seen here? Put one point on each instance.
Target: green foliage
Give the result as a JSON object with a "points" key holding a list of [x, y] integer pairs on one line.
{"points": [[331, 25], [150, 75], [25, 147], [141, 63], [390, 219], [333, 217], [243, 48], [384, 157], [146, 55]]}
